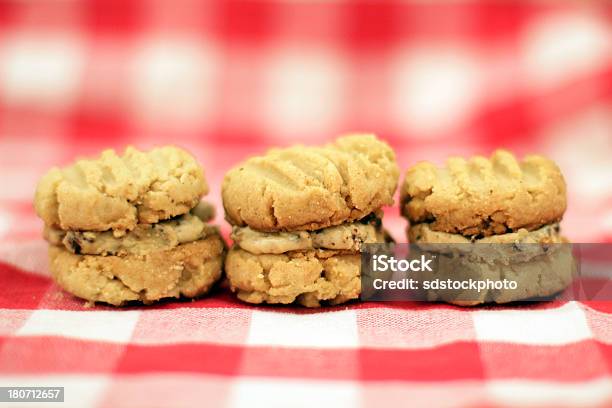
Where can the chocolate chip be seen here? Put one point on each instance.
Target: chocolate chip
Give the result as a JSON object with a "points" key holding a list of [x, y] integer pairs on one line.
{"points": [[476, 237], [74, 245]]}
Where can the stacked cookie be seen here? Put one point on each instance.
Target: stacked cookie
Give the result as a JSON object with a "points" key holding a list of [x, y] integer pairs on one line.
{"points": [[131, 227], [501, 202], [300, 216]]}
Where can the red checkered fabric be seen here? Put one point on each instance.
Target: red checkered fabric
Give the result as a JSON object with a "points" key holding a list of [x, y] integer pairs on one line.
{"points": [[228, 79]]}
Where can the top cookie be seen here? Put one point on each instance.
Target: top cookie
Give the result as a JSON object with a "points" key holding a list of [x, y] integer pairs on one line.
{"points": [[485, 196], [118, 192], [308, 188]]}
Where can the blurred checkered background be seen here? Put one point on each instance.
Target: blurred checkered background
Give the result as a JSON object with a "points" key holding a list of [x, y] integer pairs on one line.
{"points": [[227, 79]]}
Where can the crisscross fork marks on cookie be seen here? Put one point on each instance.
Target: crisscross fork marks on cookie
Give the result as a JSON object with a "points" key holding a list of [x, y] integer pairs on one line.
{"points": [[485, 196]]}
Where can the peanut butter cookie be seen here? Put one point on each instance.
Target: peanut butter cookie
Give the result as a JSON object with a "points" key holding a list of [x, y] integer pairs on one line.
{"points": [[308, 277], [188, 270], [131, 227], [301, 217], [309, 188], [482, 197], [117, 192], [490, 221]]}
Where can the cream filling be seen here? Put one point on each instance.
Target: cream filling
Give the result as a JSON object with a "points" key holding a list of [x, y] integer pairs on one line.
{"points": [[422, 233], [349, 237], [519, 246], [143, 239]]}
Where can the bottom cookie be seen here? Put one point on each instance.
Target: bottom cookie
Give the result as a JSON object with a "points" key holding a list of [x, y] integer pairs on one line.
{"points": [[542, 276], [307, 278], [187, 270]]}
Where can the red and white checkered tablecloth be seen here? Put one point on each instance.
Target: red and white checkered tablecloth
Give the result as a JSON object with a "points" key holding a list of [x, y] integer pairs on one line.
{"points": [[228, 79]]}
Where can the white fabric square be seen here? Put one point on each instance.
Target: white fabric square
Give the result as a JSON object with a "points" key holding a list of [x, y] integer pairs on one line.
{"points": [[113, 326], [271, 393], [41, 71], [181, 71], [316, 330], [543, 393], [562, 325], [192, 325], [303, 93], [428, 81], [5, 223]]}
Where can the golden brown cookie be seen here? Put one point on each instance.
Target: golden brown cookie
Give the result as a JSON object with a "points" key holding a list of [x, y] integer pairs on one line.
{"points": [[308, 278], [309, 188], [188, 270], [482, 197], [118, 192]]}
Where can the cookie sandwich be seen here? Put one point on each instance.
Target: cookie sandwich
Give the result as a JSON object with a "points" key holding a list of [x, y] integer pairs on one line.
{"points": [[300, 216], [511, 207], [130, 227]]}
